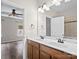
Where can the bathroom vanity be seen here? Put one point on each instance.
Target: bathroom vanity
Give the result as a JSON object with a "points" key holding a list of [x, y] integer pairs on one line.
{"points": [[37, 49]]}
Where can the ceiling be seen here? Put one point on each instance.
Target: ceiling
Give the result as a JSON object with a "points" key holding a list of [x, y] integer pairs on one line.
{"points": [[66, 9], [72, 5]]}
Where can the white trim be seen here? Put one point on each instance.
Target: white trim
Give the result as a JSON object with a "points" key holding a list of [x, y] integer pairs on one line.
{"points": [[12, 17]]}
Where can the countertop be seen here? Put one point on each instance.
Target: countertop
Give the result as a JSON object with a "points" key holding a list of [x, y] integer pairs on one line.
{"points": [[68, 47]]}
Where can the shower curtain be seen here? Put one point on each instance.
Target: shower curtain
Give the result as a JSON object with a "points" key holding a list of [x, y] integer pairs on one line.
{"points": [[12, 50]]}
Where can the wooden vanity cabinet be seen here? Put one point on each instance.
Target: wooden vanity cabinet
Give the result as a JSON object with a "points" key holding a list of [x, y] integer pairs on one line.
{"points": [[40, 51]]}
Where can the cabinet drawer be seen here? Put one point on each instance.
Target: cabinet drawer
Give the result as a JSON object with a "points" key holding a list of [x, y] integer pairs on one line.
{"points": [[74, 57], [54, 52], [46, 49], [60, 57], [50, 50]]}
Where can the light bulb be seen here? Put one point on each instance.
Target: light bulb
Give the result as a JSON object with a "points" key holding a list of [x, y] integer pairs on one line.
{"points": [[59, 0], [40, 10], [46, 8], [54, 1], [58, 3]]}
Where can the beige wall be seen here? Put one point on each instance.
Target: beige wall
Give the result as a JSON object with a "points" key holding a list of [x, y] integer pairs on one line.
{"points": [[70, 27]]}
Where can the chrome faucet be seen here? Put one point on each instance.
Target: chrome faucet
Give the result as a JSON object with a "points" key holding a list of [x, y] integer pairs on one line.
{"points": [[42, 37], [60, 41]]}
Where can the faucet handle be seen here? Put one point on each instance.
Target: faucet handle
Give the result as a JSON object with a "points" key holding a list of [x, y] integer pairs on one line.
{"points": [[62, 41], [59, 40], [42, 37]]}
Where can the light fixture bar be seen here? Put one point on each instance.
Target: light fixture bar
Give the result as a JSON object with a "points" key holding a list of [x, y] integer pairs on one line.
{"points": [[54, 2]]}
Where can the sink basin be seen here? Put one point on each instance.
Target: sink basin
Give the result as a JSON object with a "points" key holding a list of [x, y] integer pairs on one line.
{"points": [[54, 42], [63, 45]]}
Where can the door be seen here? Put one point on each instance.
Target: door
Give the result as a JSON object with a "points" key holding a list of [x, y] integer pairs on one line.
{"points": [[35, 53], [57, 26], [44, 55], [29, 51], [48, 26]]}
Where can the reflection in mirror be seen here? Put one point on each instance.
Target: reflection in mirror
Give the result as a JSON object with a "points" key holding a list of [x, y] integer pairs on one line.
{"points": [[48, 26], [57, 26]]}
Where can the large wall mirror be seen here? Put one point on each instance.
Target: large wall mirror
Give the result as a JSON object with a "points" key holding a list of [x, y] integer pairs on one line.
{"points": [[59, 20]]}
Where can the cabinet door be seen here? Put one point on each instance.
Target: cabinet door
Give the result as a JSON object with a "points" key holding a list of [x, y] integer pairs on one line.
{"points": [[74, 57], [44, 55], [35, 53], [29, 51]]}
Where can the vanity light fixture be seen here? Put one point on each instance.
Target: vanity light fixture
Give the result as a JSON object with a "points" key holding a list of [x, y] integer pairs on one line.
{"points": [[54, 2]]}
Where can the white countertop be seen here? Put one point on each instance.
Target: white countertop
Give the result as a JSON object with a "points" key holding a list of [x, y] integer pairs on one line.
{"points": [[68, 47]]}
